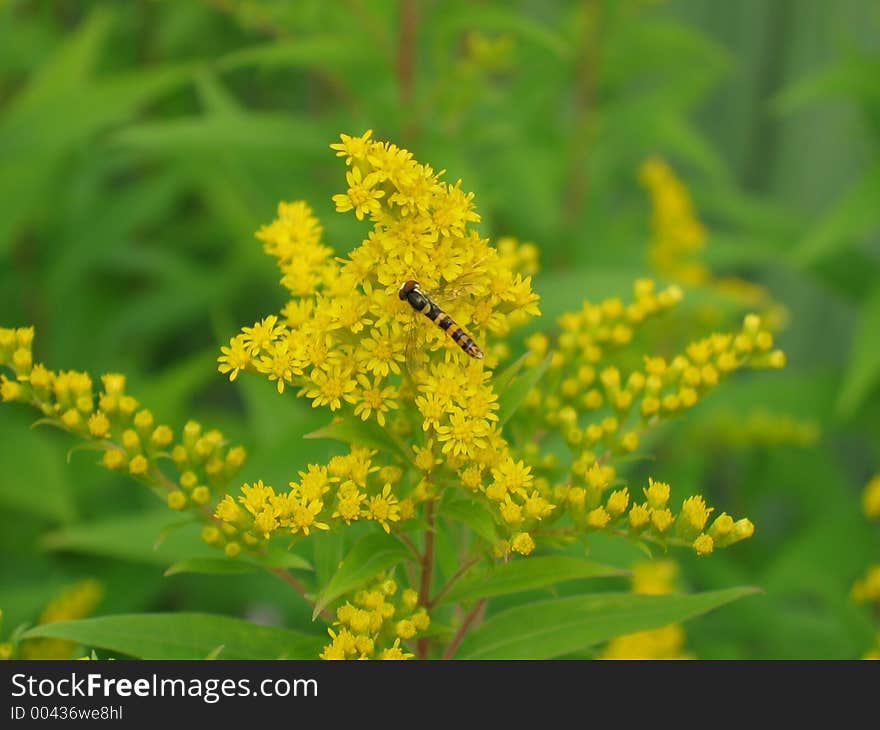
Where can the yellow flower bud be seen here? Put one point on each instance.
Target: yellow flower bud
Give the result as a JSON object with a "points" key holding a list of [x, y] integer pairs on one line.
{"points": [[617, 503], [657, 494], [138, 466], [114, 383], [71, 419], [127, 405], [598, 518], [143, 420], [639, 516], [522, 543], [751, 324], [764, 341], [99, 425], [201, 495], [22, 361], [130, 440], [421, 620], [661, 519], [176, 500], [11, 391], [703, 545], [592, 399], [629, 442], [871, 498], [113, 459], [162, 436]]}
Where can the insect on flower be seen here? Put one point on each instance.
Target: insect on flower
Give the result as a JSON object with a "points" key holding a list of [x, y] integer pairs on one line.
{"points": [[421, 302]]}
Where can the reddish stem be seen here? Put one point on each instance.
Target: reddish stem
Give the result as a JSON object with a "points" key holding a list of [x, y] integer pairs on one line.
{"points": [[445, 589], [427, 573], [406, 45], [469, 620]]}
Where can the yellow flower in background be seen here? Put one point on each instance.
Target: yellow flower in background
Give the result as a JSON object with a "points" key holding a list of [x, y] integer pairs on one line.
{"points": [[349, 343], [678, 235], [871, 498], [655, 577], [73, 602], [532, 451], [867, 588], [374, 623]]}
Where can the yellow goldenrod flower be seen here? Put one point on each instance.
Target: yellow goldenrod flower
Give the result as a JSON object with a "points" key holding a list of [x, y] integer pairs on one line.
{"points": [[871, 498], [73, 602], [657, 494], [522, 543], [703, 545], [867, 588]]}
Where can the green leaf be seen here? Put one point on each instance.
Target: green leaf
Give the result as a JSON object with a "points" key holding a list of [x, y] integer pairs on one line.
{"points": [[527, 574], [134, 538], [475, 515], [211, 566], [356, 432], [281, 558], [505, 377], [39, 483], [183, 636], [210, 134], [310, 51], [856, 213], [863, 368], [851, 78], [33, 143], [548, 629], [367, 558], [514, 393], [70, 65]]}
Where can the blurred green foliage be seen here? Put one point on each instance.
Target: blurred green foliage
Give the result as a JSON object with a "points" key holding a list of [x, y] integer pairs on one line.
{"points": [[142, 144]]}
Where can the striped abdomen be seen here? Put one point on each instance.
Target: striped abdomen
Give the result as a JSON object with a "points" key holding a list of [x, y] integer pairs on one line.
{"points": [[421, 302]]}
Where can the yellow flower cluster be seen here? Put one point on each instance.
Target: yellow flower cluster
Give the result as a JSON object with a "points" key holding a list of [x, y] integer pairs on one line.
{"points": [[348, 489], [345, 335], [6, 648], [762, 428], [678, 240], [73, 602], [678, 237], [867, 588], [375, 622], [601, 401], [656, 577], [115, 422], [348, 342], [871, 498]]}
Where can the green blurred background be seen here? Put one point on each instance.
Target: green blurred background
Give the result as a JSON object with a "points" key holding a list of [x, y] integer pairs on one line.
{"points": [[143, 143]]}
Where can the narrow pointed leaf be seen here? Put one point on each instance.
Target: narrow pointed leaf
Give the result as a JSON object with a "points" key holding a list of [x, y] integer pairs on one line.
{"points": [[548, 629], [527, 574], [367, 558], [513, 395], [183, 636]]}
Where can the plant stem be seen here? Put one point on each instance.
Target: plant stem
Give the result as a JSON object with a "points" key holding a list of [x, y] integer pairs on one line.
{"points": [[299, 588], [584, 98], [469, 620], [427, 573], [406, 45], [445, 589]]}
